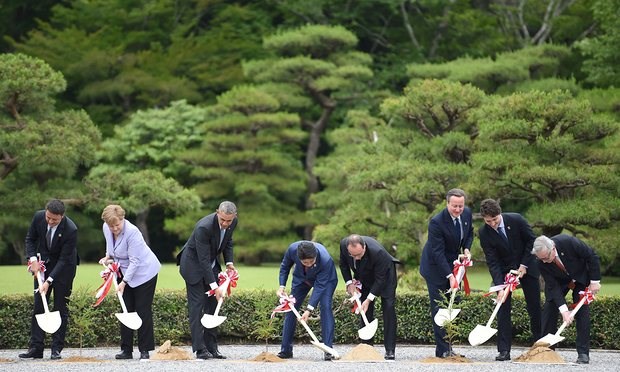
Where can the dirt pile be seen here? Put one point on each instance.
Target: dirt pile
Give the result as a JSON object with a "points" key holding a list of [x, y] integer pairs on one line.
{"points": [[267, 357], [168, 352], [363, 352], [80, 359], [540, 353], [450, 359]]}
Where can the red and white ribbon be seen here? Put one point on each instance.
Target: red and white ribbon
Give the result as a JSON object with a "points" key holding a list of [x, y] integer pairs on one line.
{"points": [[286, 302], [589, 296], [231, 275], [41, 266], [511, 282], [107, 276], [358, 293], [460, 272]]}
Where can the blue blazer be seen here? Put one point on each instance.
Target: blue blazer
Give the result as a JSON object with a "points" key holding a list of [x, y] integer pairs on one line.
{"points": [[442, 246], [138, 263], [322, 275]]}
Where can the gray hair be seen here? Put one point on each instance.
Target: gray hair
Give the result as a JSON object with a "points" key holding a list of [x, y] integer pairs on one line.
{"points": [[227, 207], [455, 192], [542, 244]]}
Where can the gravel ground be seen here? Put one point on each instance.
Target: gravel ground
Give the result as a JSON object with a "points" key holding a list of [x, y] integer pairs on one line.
{"points": [[306, 358]]}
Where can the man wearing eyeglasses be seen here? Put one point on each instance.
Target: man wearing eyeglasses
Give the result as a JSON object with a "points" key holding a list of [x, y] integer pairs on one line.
{"points": [[567, 263]]}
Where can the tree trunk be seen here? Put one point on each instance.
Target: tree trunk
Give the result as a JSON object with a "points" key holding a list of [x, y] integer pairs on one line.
{"points": [[142, 224]]}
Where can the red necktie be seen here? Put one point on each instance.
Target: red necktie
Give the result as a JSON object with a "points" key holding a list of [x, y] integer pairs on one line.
{"points": [[559, 264]]}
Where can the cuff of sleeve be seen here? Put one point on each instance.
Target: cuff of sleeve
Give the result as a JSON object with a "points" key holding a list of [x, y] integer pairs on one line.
{"points": [[371, 297], [348, 282], [595, 281], [524, 266], [229, 263], [449, 275], [49, 279], [213, 285], [563, 308], [310, 307], [33, 258]]}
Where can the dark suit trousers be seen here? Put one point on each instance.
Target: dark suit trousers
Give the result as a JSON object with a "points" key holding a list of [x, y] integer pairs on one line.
{"points": [[435, 293], [198, 304], [61, 290], [140, 300], [531, 290], [550, 320], [388, 308]]}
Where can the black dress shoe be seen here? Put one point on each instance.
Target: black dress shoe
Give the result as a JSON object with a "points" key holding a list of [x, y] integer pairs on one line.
{"points": [[124, 355], [451, 353], [389, 355], [55, 355], [583, 359], [144, 355], [328, 357], [217, 355], [284, 355], [503, 355], [203, 354], [32, 353]]}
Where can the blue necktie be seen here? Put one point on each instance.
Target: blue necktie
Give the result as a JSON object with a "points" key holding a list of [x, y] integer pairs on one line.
{"points": [[502, 233], [457, 229]]}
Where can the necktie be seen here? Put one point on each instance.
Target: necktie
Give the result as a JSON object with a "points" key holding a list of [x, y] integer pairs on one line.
{"points": [[457, 229], [502, 233], [48, 237], [559, 264]]}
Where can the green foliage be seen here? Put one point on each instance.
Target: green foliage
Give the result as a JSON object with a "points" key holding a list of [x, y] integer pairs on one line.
{"points": [[83, 316], [543, 85]]}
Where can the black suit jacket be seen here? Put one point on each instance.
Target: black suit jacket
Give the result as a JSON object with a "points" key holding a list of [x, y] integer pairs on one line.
{"points": [[375, 270], [442, 247], [61, 258], [502, 257], [581, 262], [202, 247]]}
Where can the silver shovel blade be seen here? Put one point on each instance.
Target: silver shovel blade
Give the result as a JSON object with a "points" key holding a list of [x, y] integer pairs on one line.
{"points": [[212, 321], [49, 322], [480, 335], [368, 331], [445, 315], [326, 349], [550, 340], [130, 320]]}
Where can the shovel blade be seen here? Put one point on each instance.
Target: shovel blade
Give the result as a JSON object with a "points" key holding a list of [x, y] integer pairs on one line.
{"points": [[326, 349], [480, 335], [130, 320], [445, 315], [212, 321], [550, 339], [49, 322], [367, 332]]}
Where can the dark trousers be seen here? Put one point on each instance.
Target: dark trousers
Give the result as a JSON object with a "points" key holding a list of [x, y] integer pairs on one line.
{"points": [[388, 309], [140, 300], [327, 317], [550, 320], [531, 290], [198, 304], [435, 293], [61, 290]]}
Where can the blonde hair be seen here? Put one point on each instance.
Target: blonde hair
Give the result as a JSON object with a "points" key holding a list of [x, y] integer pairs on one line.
{"points": [[112, 214]]}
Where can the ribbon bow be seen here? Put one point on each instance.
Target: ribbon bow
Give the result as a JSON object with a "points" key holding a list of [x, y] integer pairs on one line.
{"points": [[231, 275], [356, 295], [465, 263], [589, 296], [285, 305], [41, 266], [107, 276], [510, 281]]}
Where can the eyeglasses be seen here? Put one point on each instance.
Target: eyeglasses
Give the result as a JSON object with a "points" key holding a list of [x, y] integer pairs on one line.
{"points": [[547, 258]]}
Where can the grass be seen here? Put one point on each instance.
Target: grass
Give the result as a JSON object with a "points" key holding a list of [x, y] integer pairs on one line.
{"points": [[18, 280]]}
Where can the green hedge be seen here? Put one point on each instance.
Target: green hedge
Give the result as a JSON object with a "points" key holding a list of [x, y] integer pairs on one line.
{"points": [[249, 311]]}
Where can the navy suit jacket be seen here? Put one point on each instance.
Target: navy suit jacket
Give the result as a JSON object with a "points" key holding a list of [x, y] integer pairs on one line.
{"points": [[202, 248], [581, 262], [321, 276], [373, 270], [442, 247], [61, 258], [502, 257]]}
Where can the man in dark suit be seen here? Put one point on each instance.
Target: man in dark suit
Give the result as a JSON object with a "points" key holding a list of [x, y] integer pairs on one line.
{"points": [[199, 266], [450, 232], [375, 268], [314, 269], [567, 263], [507, 239], [54, 236]]}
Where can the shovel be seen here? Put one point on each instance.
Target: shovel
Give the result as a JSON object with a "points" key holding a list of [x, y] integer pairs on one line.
{"points": [[212, 321], [368, 331], [448, 315], [481, 334], [315, 341], [553, 339], [48, 321], [130, 320]]}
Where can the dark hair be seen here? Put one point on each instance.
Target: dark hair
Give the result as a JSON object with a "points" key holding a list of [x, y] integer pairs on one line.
{"points": [[355, 239], [55, 206], [306, 250], [455, 192], [490, 208]]}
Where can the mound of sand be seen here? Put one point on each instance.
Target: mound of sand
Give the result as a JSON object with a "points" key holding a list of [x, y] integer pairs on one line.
{"points": [[540, 354], [168, 352], [78, 359], [363, 352], [450, 359], [5, 360], [267, 357]]}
